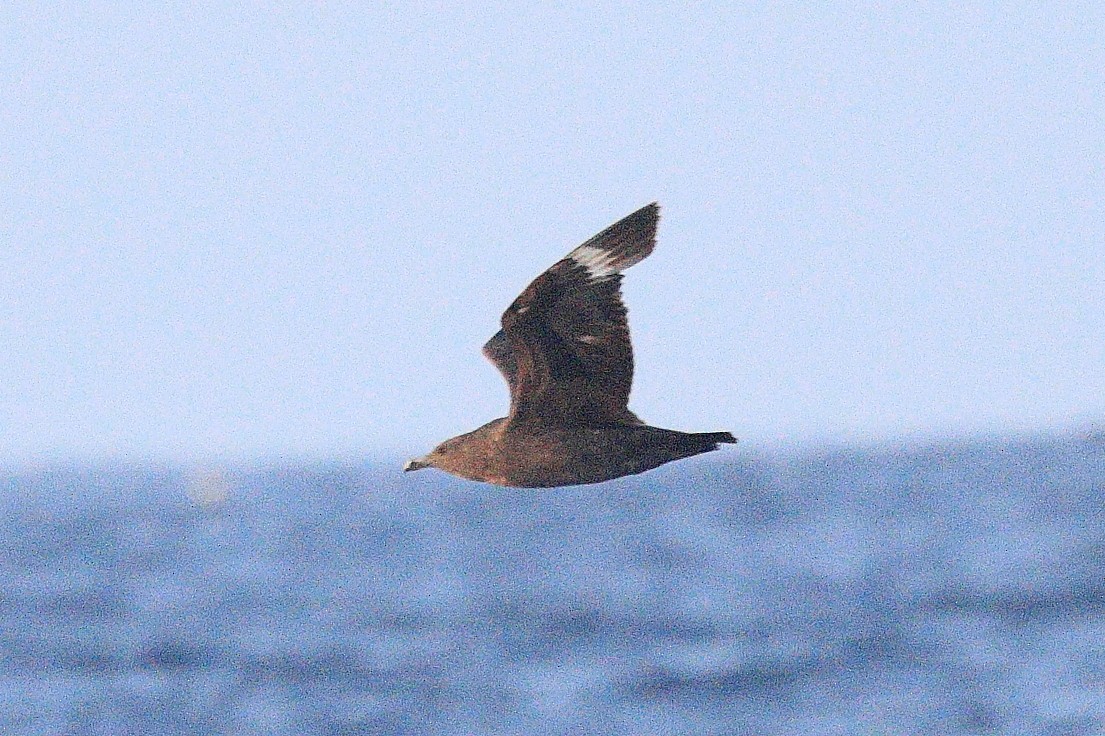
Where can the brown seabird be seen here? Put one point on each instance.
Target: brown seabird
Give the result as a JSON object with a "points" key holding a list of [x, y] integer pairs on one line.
{"points": [[564, 350]]}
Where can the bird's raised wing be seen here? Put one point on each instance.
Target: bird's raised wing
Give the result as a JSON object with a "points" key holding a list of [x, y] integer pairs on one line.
{"points": [[564, 348]]}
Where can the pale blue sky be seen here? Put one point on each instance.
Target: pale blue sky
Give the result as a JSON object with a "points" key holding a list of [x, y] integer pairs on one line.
{"points": [[235, 233]]}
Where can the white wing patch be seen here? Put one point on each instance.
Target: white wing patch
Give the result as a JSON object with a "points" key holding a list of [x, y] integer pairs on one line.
{"points": [[597, 261]]}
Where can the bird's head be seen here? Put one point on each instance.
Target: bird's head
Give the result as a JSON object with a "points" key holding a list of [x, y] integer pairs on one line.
{"points": [[417, 464], [443, 457], [435, 458]]}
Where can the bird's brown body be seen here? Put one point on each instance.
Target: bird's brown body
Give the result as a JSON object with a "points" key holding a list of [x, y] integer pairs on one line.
{"points": [[562, 456], [564, 350]]}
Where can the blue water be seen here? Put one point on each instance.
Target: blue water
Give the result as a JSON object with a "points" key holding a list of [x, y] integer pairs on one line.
{"points": [[931, 590]]}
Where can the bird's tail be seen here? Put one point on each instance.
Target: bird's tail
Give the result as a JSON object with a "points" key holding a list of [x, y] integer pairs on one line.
{"points": [[715, 438], [650, 447], [686, 444]]}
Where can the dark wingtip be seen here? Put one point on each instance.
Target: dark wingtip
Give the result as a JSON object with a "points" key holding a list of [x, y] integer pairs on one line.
{"points": [[642, 221]]}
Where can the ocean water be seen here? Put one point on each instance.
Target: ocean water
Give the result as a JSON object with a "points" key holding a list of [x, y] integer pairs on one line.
{"points": [[955, 589]]}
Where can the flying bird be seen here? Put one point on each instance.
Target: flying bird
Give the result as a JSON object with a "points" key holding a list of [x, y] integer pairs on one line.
{"points": [[564, 350]]}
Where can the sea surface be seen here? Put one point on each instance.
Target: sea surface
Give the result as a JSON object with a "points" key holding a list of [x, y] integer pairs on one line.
{"points": [[936, 589]]}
